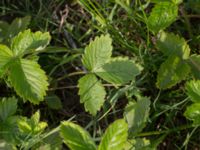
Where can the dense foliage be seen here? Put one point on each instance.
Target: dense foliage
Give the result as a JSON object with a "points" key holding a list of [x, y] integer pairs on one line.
{"points": [[100, 75]]}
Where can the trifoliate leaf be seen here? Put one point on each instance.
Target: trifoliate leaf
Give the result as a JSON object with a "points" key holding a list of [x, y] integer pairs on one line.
{"points": [[193, 90], [28, 80], [194, 62], [115, 136], [171, 44], [97, 53], [92, 93], [5, 55], [118, 71], [75, 137], [31, 126], [136, 114], [162, 15], [8, 107], [171, 72], [193, 113], [26, 42]]}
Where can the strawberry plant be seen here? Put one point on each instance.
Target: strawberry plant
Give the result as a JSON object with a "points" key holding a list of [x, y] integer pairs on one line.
{"points": [[99, 75]]}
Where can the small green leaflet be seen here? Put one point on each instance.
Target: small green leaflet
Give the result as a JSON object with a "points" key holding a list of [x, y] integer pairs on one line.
{"points": [[194, 62], [171, 72], [119, 70], [31, 126], [193, 113], [8, 107], [162, 15], [29, 80], [75, 137], [171, 44], [97, 53], [136, 114], [193, 90], [27, 42], [92, 93], [115, 136]]}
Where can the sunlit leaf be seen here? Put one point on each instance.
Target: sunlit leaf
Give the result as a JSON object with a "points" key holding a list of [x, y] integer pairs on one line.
{"points": [[162, 15], [75, 137], [193, 90], [193, 113], [97, 53], [28, 80], [115, 136]]}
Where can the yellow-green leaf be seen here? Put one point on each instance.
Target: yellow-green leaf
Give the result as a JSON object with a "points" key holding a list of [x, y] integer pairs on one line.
{"points": [[75, 137], [115, 136]]}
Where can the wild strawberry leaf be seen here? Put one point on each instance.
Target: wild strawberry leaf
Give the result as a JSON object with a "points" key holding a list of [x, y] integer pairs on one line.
{"points": [[194, 62], [193, 90], [193, 113], [92, 93], [162, 15], [97, 53], [75, 137], [136, 114], [27, 42], [8, 107], [119, 70], [171, 72], [115, 136], [171, 44], [28, 80]]}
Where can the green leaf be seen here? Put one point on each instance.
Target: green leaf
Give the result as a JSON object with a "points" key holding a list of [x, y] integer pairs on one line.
{"points": [[27, 42], [162, 15], [97, 53], [28, 80], [53, 102], [193, 113], [75, 137], [194, 62], [171, 72], [136, 114], [171, 44], [5, 55], [8, 107], [31, 126], [118, 71], [138, 144], [115, 136], [92, 93], [18, 25], [193, 90]]}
